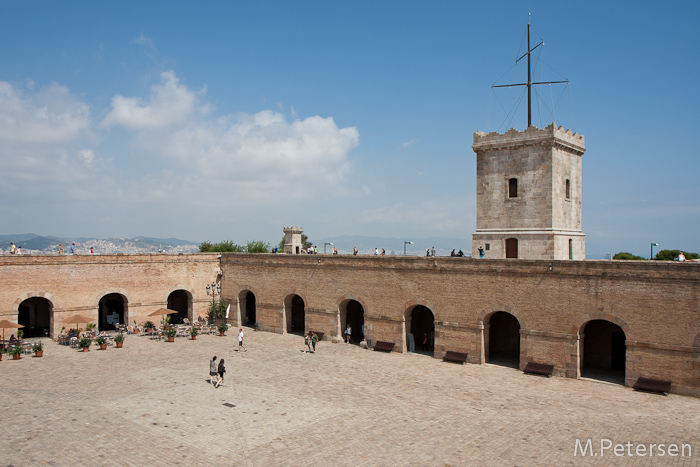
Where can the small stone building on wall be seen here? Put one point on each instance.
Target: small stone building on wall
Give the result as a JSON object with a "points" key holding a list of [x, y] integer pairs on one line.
{"points": [[528, 194], [292, 240]]}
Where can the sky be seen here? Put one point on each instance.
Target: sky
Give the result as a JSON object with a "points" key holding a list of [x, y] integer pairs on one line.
{"points": [[231, 120]]}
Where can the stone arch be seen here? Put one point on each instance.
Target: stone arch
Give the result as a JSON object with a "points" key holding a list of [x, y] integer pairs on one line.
{"points": [[483, 322], [246, 311], [293, 319], [357, 322], [53, 306], [189, 312], [406, 324], [605, 358], [584, 319], [128, 316]]}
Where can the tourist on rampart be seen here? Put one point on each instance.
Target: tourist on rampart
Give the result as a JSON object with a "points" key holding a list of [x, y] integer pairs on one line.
{"points": [[60, 248], [432, 252], [354, 250], [481, 252], [72, 249], [681, 256], [19, 250], [13, 249], [315, 250]]}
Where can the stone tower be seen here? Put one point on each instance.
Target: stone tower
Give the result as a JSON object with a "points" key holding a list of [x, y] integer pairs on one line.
{"points": [[292, 240], [528, 194]]}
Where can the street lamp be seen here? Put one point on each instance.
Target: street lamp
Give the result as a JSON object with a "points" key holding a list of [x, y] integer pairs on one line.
{"points": [[214, 289], [324, 246], [653, 244], [404, 246]]}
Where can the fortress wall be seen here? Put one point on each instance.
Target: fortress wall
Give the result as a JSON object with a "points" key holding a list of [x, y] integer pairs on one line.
{"points": [[75, 283], [657, 304]]}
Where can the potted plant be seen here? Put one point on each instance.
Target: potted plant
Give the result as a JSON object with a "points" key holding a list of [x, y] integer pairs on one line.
{"points": [[84, 344], [16, 351], [148, 325], [170, 333], [20, 334], [38, 349], [223, 327], [193, 333], [136, 329], [119, 340], [102, 342], [91, 327]]}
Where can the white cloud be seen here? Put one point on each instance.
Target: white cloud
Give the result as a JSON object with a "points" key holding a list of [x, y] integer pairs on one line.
{"points": [[408, 143], [88, 156], [170, 104]]}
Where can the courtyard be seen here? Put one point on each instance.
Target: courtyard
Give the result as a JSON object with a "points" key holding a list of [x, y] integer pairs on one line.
{"points": [[150, 403]]}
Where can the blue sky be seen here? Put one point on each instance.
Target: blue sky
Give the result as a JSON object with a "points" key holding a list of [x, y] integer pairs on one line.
{"points": [[230, 120]]}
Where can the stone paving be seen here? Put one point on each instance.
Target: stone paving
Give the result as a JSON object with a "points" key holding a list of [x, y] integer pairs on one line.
{"points": [[149, 403]]}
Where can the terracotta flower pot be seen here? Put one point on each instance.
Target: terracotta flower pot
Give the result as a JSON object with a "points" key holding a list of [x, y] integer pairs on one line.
{"points": [[15, 356], [103, 346], [222, 334], [194, 338], [171, 339], [86, 349], [136, 331], [39, 353], [119, 345]]}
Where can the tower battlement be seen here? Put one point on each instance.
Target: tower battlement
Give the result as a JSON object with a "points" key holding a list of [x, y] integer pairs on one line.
{"points": [[533, 135]]}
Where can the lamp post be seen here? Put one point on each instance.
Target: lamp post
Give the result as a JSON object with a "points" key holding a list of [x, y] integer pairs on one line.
{"points": [[324, 246], [214, 289], [653, 244], [404, 246]]}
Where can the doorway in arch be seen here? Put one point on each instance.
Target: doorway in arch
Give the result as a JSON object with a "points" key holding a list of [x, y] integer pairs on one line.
{"points": [[246, 304], [111, 311], [294, 313], [503, 340], [603, 353], [420, 323], [180, 301], [35, 315], [352, 313]]}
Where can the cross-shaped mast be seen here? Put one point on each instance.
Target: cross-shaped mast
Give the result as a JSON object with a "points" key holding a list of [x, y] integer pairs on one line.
{"points": [[529, 83]]}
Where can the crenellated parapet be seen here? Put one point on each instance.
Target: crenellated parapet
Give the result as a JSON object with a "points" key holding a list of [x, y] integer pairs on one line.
{"points": [[550, 135]]}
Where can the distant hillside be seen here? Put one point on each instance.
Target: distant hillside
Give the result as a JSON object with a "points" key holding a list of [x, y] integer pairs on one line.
{"points": [[32, 243]]}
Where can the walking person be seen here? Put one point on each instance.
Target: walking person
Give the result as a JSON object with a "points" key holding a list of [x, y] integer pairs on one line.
{"points": [[348, 334], [314, 340], [72, 249], [212, 370], [220, 374], [12, 248], [307, 348], [481, 252], [240, 340], [60, 248], [354, 251]]}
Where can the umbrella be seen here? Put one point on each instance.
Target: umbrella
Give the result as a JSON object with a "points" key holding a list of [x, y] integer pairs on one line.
{"points": [[162, 312], [77, 319], [5, 324]]}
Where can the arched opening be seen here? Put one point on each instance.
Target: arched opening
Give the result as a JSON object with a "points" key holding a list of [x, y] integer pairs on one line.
{"points": [[503, 340], [246, 306], [420, 323], [111, 311], [35, 315], [180, 301], [294, 313], [511, 247], [604, 354], [352, 313]]}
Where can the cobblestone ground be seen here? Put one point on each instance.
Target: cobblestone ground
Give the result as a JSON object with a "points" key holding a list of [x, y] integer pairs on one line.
{"points": [[150, 403]]}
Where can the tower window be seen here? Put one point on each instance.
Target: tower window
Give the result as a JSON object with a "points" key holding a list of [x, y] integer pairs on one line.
{"points": [[571, 247], [568, 189], [513, 188]]}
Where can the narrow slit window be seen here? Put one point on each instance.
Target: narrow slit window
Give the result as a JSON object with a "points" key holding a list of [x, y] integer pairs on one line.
{"points": [[513, 188], [568, 189], [571, 247]]}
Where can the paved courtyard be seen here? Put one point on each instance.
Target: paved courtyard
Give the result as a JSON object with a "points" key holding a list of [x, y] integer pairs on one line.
{"points": [[150, 404]]}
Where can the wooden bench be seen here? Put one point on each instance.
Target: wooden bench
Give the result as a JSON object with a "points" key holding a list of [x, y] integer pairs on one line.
{"points": [[384, 346], [652, 385], [318, 334], [456, 357], [539, 369]]}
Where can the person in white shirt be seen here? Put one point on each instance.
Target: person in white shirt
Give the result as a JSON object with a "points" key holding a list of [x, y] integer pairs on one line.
{"points": [[240, 340], [681, 256]]}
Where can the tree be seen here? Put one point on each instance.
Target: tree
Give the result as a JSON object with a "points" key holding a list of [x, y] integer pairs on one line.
{"points": [[625, 255], [305, 243], [670, 255], [258, 247], [227, 246]]}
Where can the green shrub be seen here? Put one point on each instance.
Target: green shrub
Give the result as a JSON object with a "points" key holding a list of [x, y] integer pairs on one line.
{"points": [[625, 255]]}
